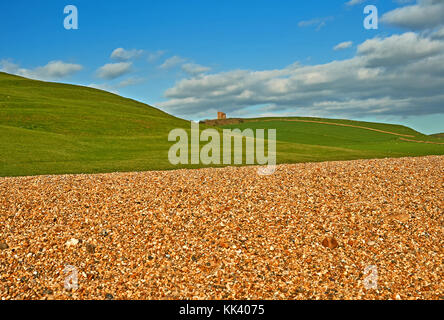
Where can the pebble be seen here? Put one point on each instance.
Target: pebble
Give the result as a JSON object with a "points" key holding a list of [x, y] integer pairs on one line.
{"points": [[330, 243], [72, 242], [3, 245], [90, 248], [236, 236]]}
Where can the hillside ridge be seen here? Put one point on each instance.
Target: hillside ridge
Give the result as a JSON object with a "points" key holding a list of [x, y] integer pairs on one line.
{"points": [[54, 128]]}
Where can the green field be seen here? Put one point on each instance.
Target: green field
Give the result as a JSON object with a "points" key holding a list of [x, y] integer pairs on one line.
{"points": [[309, 141], [52, 128]]}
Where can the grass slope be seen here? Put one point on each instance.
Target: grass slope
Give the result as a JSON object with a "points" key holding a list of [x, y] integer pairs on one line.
{"points": [[59, 128], [52, 128], [300, 141]]}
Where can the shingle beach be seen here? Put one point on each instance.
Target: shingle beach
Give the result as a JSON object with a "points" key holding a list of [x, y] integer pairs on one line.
{"points": [[308, 231]]}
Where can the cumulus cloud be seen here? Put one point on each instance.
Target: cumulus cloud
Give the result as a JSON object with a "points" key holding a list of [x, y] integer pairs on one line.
{"points": [[438, 34], [343, 45], [104, 87], [316, 22], [153, 56], [194, 69], [114, 87], [422, 15], [190, 68], [51, 71], [398, 49], [354, 2], [114, 70], [129, 82], [397, 75], [124, 55], [172, 62]]}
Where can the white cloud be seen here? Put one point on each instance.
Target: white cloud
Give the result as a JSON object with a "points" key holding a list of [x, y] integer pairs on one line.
{"points": [[438, 34], [194, 69], [354, 2], [153, 56], [104, 87], [343, 45], [398, 49], [316, 22], [114, 87], [172, 62], [397, 75], [422, 15], [124, 55], [129, 82], [52, 70], [114, 70]]}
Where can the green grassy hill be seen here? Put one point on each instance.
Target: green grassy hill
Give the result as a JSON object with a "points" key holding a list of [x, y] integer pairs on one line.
{"points": [[58, 128], [52, 128], [317, 139]]}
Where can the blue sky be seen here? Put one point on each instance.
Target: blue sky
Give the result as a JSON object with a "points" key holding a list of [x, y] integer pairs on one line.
{"points": [[247, 58]]}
